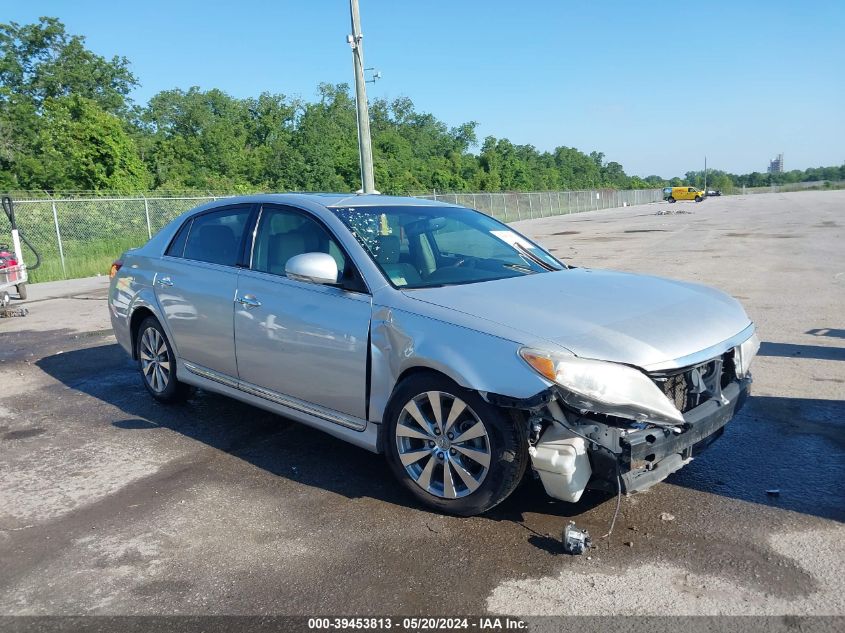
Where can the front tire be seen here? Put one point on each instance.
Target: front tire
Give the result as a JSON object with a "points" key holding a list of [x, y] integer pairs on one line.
{"points": [[157, 363], [452, 450], [698, 198]]}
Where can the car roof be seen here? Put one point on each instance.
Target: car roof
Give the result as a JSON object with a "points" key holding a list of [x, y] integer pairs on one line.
{"points": [[337, 200]]}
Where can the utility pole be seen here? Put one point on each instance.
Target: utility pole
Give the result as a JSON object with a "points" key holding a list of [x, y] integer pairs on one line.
{"points": [[705, 174], [365, 149]]}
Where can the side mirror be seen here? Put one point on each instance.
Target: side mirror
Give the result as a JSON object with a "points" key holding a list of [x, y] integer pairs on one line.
{"points": [[316, 268]]}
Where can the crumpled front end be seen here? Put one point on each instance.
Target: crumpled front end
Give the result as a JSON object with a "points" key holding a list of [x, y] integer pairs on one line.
{"points": [[574, 446]]}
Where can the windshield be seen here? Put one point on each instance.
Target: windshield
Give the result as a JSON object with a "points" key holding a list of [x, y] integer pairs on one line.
{"points": [[424, 247]]}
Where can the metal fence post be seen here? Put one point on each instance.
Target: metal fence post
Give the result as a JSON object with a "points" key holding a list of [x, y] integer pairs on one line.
{"points": [[505, 205], [147, 213], [59, 239], [530, 206]]}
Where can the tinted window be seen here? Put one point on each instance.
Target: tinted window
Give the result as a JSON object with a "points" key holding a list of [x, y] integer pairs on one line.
{"points": [[216, 237], [177, 246], [284, 233]]}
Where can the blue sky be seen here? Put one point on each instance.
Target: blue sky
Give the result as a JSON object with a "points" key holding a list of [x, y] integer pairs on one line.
{"points": [[654, 85]]}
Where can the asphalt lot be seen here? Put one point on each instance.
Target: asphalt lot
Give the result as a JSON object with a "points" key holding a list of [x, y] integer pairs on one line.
{"points": [[113, 504]]}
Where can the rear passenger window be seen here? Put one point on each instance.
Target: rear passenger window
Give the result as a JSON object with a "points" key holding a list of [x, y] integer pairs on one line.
{"points": [[283, 234], [216, 237]]}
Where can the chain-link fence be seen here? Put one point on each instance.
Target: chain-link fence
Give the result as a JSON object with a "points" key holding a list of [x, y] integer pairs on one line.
{"points": [[80, 237], [793, 186], [515, 206]]}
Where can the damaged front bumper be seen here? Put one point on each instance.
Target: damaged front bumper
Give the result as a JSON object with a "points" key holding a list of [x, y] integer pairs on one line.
{"points": [[574, 450], [647, 456]]}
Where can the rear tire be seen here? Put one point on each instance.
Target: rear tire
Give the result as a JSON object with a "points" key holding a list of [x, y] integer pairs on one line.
{"points": [[157, 364], [425, 420], [670, 199], [21, 288]]}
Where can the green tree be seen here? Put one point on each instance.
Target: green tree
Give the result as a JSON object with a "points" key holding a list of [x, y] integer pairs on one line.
{"points": [[325, 142], [42, 69], [41, 61], [82, 147]]}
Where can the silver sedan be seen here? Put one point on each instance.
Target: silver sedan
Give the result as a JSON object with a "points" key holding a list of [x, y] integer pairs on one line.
{"points": [[436, 335]]}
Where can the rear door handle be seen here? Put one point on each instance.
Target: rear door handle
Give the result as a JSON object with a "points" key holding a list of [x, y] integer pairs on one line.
{"points": [[164, 281], [248, 301]]}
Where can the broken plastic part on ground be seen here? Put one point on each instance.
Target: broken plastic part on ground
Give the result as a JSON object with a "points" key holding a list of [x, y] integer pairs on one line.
{"points": [[575, 541]]}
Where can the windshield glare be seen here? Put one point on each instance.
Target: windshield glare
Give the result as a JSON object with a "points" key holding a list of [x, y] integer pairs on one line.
{"points": [[424, 247]]}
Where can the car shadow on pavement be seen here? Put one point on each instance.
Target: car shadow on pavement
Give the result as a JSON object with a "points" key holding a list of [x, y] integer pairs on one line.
{"points": [[793, 446], [826, 331], [787, 453], [792, 350], [271, 442]]}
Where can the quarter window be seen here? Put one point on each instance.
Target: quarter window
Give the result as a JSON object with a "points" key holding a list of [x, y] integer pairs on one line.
{"points": [[177, 246], [216, 237]]}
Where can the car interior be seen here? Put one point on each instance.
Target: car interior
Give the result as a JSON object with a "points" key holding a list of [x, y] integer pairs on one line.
{"points": [[283, 235]]}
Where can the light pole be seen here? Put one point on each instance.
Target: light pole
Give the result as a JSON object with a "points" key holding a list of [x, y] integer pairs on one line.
{"points": [[365, 149]]}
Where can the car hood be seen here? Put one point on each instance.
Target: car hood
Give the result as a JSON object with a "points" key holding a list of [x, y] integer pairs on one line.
{"points": [[634, 319]]}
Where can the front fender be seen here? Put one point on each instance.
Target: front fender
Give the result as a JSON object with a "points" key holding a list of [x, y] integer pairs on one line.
{"points": [[400, 341]]}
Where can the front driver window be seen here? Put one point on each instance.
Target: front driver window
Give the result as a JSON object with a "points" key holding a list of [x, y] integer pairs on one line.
{"points": [[283, 234]]}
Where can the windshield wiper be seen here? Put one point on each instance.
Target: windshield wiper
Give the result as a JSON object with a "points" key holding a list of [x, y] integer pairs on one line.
{"points": [[520, 268], [537, 260]]}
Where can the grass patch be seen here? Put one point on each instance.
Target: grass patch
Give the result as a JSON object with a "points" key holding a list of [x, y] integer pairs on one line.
{"points": [[83, 258]]}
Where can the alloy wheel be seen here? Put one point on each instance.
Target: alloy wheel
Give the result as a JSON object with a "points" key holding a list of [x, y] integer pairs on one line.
{"points": [[155, 360], [443, 445]]}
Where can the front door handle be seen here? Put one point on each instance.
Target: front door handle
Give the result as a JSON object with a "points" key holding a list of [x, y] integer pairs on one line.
{"points": [[164, 281], [248, 301]]}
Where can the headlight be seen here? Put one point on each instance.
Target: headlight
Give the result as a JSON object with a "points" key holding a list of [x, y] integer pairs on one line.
{"points": [[602, 387], [745, 353]]}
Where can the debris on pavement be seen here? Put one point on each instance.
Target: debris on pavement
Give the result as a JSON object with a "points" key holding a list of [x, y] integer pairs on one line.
{"points": [[576, 541], [666, 516], [9, 312]]}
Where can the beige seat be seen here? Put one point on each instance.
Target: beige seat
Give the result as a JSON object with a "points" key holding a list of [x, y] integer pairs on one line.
{"points": [[387, 255]]}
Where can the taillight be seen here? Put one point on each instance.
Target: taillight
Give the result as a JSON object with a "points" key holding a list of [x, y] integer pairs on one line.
{"points": [[116, 265]]}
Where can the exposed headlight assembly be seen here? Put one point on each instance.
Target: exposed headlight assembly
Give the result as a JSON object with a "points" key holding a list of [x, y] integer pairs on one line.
{"points": [[602, 387], [745, 353]]}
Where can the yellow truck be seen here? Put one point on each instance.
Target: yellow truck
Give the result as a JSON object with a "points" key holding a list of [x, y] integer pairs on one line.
{"points": [[672, 194]]}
